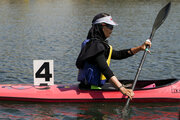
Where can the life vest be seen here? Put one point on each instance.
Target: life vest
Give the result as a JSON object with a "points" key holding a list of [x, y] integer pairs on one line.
{"points": [[89, 74]]}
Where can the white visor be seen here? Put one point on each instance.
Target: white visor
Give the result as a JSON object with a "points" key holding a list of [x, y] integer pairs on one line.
{"points": [[107, 19]]}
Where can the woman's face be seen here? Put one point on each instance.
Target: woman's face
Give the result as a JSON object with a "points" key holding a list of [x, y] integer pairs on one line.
{"points": [[107, 29]]}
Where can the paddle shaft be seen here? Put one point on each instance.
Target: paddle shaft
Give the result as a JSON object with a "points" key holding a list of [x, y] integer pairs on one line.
{"points": [[137, 74], [157, 23], [140, 66]]}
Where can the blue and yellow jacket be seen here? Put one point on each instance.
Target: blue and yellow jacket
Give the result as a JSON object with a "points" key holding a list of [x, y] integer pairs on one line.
{"points": [[89, 74]]}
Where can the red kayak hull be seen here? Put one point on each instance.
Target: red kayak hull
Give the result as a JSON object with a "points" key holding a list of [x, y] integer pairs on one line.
{"points": [[71, 93]]}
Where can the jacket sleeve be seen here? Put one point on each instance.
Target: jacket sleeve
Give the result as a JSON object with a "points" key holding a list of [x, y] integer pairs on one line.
{"points": [[121, 54], [100, 62]]}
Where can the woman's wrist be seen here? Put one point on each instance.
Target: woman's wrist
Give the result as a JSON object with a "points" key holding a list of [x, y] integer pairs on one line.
{"points": [[131, 52], [136, 49], [120, 87], [140, 48]]}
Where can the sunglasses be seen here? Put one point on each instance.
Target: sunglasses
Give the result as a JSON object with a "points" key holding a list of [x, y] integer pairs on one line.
{"points": [[109, 26]]}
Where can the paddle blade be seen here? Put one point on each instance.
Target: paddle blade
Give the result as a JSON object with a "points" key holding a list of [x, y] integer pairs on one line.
{"points": [[162, 15]]}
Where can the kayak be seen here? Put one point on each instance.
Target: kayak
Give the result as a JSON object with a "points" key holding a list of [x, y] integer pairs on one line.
{"points": [[166, 90]]}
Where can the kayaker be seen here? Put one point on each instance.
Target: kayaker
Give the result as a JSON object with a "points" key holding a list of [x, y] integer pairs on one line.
{"points": [[94, 58]]}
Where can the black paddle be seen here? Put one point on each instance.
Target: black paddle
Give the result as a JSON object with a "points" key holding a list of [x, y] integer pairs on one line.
{"points": [[163, 13]]}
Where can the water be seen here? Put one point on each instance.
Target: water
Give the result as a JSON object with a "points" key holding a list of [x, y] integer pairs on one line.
{"points": [[91, 111], [54, 29]]}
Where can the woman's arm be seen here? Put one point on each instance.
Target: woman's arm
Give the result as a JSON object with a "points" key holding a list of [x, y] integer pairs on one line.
{"points": [[140, 48], [122, 54], [100, 61]]}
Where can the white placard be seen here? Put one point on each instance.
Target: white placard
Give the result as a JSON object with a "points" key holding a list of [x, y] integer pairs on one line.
{"points": [[43, 72]]}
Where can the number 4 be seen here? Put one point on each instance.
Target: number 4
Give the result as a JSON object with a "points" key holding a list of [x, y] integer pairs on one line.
{"points": [[43, 72], [46, 75]]}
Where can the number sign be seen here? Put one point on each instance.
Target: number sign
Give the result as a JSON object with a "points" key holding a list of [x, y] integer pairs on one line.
{"points": [[43, 72]]}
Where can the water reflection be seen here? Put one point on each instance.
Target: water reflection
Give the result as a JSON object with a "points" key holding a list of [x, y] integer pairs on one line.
{"points": [[86, 111]]}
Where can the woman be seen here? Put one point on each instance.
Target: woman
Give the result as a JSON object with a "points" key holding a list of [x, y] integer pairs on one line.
{"points": [[94, 58]]}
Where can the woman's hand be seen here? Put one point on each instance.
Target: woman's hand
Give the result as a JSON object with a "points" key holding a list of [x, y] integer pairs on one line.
{"points": [[146, 43], [127, 92], [141, 47]]}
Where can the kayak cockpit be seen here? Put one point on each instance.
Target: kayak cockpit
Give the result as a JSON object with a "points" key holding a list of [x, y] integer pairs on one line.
{"points": [[143, 84], [150, 84]]}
